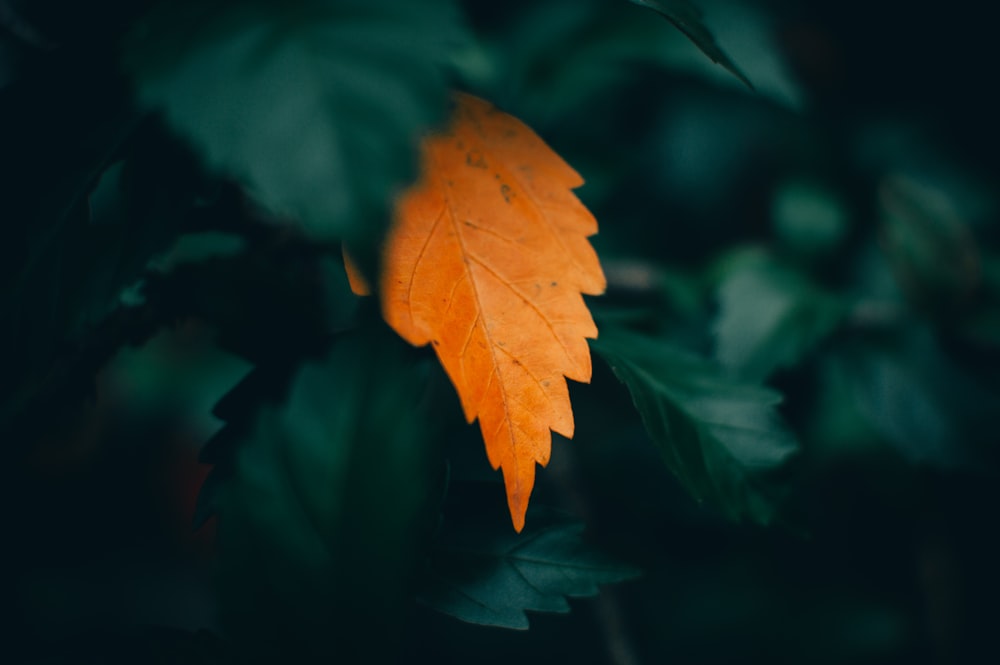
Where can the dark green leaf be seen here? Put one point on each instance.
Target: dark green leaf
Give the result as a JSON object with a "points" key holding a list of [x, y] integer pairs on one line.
{"points": [[930, 245], [319, 522], [687, 18], [931, 410], [179, 371], [483, 572], [316, 106], [279, 273], [809, 217], [195, 248], [722, 438], [770, 317]]}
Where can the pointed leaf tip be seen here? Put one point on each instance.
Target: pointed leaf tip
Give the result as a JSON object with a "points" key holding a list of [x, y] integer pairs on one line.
{"points": [[687, 18], [359, 284]]}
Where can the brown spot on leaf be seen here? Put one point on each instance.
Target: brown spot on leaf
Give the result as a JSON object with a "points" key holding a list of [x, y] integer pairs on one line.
{"points": [[475, 159]]}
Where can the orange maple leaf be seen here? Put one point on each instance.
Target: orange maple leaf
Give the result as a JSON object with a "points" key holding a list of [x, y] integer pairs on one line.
{"points": [[487, 259]]}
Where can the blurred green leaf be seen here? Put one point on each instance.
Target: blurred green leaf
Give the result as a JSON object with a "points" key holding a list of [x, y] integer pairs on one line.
{"points": [[770, 316], [195, 248], [550, 59], [898, 404], [932, 410], [929, 244], [721, 437], [316, 106], [809, 217], [178, 371], [483, 572], [687, 18], [319, 522]]}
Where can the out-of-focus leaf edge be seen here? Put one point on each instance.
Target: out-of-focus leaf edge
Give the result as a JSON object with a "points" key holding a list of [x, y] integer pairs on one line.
{"points": [[687, 18]]}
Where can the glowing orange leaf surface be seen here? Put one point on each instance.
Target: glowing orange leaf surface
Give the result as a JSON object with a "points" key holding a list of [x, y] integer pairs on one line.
{"points": [[487, 260]]}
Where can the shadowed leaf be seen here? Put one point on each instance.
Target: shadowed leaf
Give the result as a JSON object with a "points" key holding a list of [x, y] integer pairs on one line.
{"points": [[319, 519], [315, 106]]}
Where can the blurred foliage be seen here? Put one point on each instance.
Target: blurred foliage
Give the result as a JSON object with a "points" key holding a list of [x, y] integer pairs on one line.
{"points": [[316, 108], [803, 304]]}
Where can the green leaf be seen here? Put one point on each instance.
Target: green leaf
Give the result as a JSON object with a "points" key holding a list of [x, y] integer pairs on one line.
{"points": [[315, 106], [687, 18], [319, 521], [810, 218], [722, 438], [180, 371], [196, 248], [930, 245], [482, 572], [769, 317], [932, 410]]}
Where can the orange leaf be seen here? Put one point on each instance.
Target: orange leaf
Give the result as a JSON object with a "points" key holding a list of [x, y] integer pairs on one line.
{"points": [[487, 260], [359, 284]]}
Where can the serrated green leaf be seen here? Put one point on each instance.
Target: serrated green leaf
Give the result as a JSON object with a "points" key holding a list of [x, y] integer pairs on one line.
{"points": [[318, 522], [721, 437], [687, 18], [316, 106], [770, 317], [482, 572], [175, 372]]}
